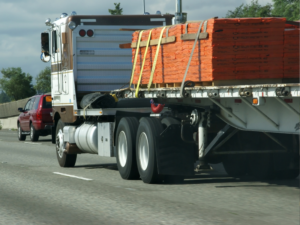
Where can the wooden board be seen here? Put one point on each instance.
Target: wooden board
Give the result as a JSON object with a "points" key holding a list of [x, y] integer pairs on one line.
{"points": [[155, 42], [186, 37], [246, 82], [127, 45]]}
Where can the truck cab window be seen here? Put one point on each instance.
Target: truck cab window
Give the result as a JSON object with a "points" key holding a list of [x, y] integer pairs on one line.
{"points": [[54, 42], [45, 43]]}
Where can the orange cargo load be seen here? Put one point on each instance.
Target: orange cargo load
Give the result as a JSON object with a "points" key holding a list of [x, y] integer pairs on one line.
{"points": [[227, 49], [291, 52]]}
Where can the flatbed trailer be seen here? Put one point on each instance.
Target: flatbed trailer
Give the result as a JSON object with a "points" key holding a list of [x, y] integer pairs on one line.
{"points": [[265, 117], [165, 133]]}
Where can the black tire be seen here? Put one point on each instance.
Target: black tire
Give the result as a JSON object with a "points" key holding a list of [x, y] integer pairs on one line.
{"points": [[34, 135], [21, 137], [64, 160], [148, 129], [125, 148]]}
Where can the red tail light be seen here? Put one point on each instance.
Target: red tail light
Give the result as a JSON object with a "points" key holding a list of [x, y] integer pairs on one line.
{"points": [[90, 33], [39, 115], [82, 33]]}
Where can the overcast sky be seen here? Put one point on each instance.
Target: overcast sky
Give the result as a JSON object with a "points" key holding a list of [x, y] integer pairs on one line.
{"points": [[22, 21]]}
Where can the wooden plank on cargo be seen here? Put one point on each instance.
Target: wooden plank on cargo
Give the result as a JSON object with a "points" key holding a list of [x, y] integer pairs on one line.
{"points": [[155, 42], [187, 37], [142, 44], [207, 83], [200, 84], [246, 82], [165, 40], [161, 85], [127, 45]]}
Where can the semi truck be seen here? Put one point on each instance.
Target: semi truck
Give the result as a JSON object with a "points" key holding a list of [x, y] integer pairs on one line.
{"points": [[162, 133]]}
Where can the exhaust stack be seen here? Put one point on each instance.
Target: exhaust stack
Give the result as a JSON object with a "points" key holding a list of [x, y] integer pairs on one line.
{"points": [[180, 17]]}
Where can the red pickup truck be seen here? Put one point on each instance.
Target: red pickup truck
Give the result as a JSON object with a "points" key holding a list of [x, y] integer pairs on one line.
{"points": [[35, 119]]}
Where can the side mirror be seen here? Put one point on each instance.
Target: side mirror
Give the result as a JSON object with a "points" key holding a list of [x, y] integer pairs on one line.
{"points": [[20, 109], [45, 58]]}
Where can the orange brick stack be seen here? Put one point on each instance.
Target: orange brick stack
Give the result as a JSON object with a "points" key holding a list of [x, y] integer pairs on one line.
{"points": [[245, 48], [291, 51]]}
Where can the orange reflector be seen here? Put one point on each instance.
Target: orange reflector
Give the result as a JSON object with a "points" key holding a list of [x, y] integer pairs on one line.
{"points": [[255, 101], [48, 99]]}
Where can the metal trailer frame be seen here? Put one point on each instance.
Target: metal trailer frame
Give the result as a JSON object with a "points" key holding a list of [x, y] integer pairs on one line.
{"points": [[277, 109]]}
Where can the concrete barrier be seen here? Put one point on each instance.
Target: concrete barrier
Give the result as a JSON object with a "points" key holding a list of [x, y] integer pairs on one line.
{"points": [[9, 123], [10, 109]]}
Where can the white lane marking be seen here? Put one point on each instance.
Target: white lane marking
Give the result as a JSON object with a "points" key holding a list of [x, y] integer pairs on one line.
{"points": [[32, 143], [68, 175], [130, 189]]}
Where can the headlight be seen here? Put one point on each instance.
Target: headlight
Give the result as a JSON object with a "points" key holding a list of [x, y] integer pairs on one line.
{"points": [[72, 25]]}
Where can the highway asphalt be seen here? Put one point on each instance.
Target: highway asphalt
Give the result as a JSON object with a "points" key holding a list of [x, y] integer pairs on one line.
{"points": [[35, 190]]}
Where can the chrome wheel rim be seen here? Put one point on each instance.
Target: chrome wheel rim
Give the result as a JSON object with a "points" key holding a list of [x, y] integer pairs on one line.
{"points": [[31, 132], [60, 146], [143, 148], [19, 128], [122, 148]]}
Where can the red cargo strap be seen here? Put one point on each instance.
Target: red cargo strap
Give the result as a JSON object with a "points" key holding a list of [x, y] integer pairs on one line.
{"points": [[156, 108]]}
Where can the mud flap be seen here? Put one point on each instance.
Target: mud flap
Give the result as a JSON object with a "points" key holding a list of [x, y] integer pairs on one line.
{"points": [[174, 156]]}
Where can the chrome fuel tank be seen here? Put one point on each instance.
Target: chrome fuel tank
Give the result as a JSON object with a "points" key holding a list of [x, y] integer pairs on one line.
{"points": [[86, 138]]}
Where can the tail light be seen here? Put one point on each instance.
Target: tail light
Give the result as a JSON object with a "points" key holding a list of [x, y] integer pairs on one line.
{"points": [[90, 33], [39, 115], [82, 33]]}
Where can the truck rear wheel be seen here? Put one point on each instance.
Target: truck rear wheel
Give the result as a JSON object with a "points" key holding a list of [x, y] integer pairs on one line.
{"points": [[64, 159], [125, 143], [148, 129]]}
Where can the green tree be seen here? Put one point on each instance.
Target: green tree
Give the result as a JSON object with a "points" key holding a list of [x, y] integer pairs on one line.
{"points": [[117, 10], [287, 8], [4, 98], [16, 84], [43, 81], [254, 9]]}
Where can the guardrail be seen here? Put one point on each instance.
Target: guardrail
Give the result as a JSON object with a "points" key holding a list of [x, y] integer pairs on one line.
{"points": [[10, 109]]}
